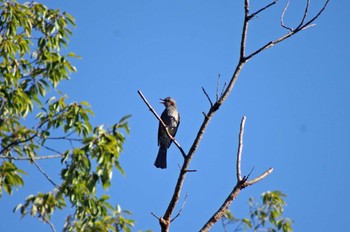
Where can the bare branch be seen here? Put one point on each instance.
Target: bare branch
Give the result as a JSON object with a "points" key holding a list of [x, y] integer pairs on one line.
{"points": [[183, 205], [163, 124], [30, 158], [305, 13], [45, 174], [292, 32], [64, 138], [155, 215], [301, 21], [220, 212], [259, 178], [206, 94], [51, 225], [217, 88], [241, 184], [244, 31], [307, 24], [282, 17], [239, 150], [165, 220], [262, 9]]}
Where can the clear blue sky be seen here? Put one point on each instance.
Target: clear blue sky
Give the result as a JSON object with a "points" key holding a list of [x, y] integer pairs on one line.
{"points": [[295, 96]]}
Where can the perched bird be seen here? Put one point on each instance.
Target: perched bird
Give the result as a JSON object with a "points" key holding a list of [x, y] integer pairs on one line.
{"points": [[171, 119]]}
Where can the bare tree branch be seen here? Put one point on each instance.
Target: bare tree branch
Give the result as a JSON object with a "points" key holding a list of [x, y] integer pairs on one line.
{"points": [[51, 225], [307, 24], [259, 178], [206, 94], [282, 17], [44, 173], [183, 205], [262, 9], [220, 212], [243, 58], [30, 158], [163, 124], [239, 150], [244, 33], [241, 184], [292, 32], [217, 88], [305, 14]]}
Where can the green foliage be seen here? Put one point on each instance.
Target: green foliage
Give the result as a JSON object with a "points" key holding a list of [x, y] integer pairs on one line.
{"points": [[32, 64], [267, 216], [10, 177]]}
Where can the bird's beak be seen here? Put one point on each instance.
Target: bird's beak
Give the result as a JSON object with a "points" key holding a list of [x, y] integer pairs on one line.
{"points": [[161, 101]]}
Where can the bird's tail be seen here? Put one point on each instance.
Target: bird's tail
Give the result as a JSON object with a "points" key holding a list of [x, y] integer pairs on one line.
{"points": [[161, 158]]}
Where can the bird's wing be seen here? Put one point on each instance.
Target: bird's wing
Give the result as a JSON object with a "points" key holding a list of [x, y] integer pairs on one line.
{"points": [[160, 127], [178, 123]]}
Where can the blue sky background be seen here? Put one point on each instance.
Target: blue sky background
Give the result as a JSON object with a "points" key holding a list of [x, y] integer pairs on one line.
{"points": [[295, 96]]}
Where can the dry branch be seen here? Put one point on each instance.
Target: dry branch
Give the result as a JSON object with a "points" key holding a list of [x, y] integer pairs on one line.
{"points": [[239, 150], [241, 183], [30, 158], [214, 106]]}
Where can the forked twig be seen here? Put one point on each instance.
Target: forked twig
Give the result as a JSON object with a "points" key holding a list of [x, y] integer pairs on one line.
{"points": [[241, 184]]}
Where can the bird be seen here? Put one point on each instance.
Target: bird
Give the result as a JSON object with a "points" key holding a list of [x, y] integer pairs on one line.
{"points": [[171, 119]]}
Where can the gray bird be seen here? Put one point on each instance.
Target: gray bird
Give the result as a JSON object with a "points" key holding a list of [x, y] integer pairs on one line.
{"points": [[171, 118]]}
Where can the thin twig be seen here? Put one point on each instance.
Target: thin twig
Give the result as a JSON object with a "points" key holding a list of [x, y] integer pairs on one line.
{"points": [[286, 36], [305, 14], [223, 89], [47, 147], [259, 178], [51, 225], [307, 24], [163, 124], [239, 150], [282, 17], [155, 215], [64, 138], [244, 32], [217, 88], [262, 9], [30, 158], [183, 205], [206, 94], [45, 174], [241, 184]]}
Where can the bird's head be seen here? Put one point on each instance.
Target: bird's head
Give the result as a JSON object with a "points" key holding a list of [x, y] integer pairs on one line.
{"points": [[168, 101]]}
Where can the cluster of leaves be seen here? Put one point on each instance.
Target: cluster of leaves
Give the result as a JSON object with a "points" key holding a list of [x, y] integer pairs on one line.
{"points": [[267, 216], [31, 63]]}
